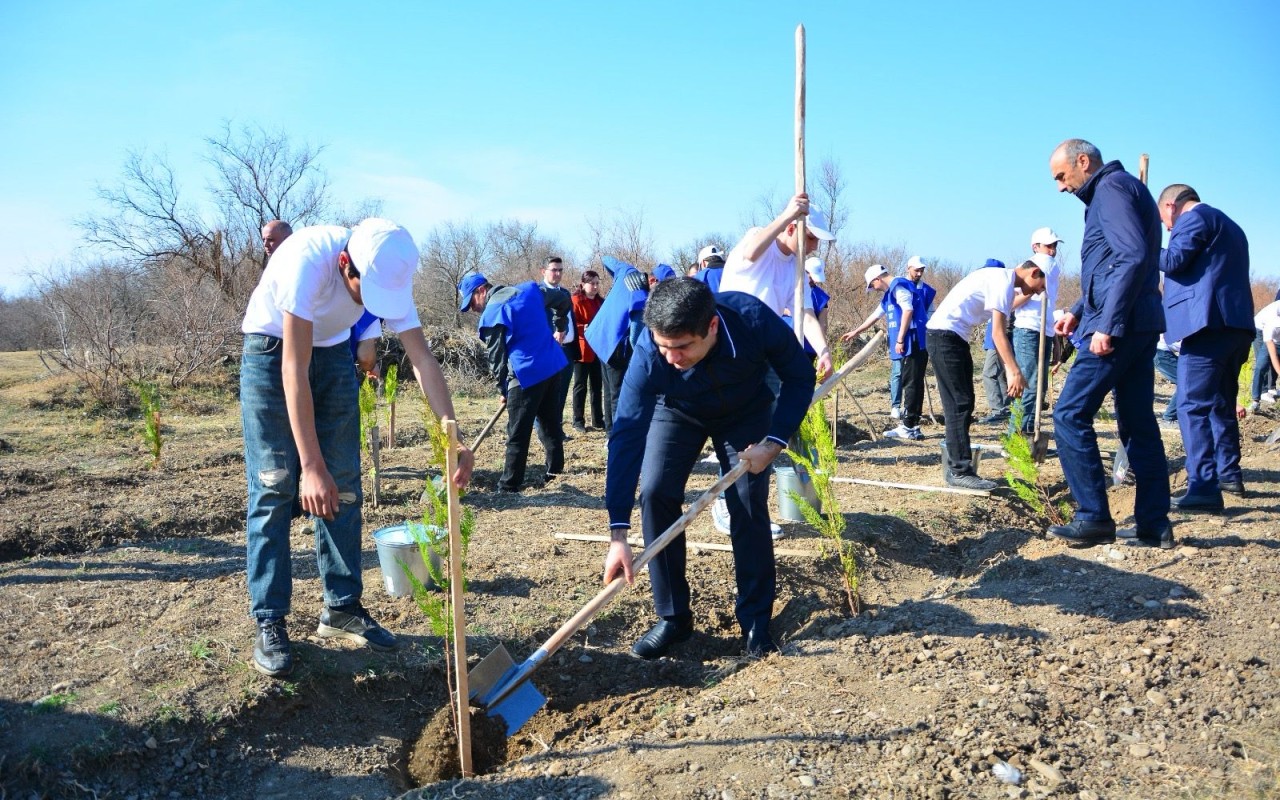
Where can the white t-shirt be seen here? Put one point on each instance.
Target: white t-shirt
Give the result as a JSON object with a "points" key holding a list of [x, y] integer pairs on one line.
{"points": [[971, 301], [901, 298], [771, 278], [1028, 316], [302, 279], [1268, 321]]}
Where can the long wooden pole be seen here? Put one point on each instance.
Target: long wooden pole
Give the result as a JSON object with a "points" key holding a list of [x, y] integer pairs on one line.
{"points": [[802, 282], [462, 702]]}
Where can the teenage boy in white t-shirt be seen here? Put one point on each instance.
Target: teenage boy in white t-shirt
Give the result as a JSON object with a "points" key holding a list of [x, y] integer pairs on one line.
{"points": [[1267, 334], [301, 417], [981, 295]]}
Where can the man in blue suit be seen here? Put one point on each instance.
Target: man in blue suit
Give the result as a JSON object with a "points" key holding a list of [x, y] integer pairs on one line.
{"points": [[1119, 320], [1209, 306]]}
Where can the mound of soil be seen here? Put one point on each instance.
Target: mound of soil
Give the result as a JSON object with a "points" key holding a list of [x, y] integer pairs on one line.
{"points": [[435, 757]]}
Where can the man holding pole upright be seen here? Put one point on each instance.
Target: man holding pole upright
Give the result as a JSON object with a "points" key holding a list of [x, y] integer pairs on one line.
{"points": [[1027, 329], [699, 371], [1118, 319]]}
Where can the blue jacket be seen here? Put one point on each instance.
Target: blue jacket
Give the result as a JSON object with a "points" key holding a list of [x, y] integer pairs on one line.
{"points": [[914, 340], [716, 392], [617, 324], [1206, 269], [516, 332], [820, 301], [1119, 257], [711, 277]]}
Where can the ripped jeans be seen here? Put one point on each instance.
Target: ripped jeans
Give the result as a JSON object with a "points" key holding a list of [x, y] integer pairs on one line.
{"points": [[273, 469]]}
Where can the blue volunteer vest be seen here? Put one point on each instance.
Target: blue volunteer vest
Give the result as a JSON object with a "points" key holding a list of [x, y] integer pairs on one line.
{"points": [[915, 338], [533, 355], [613, 321]]}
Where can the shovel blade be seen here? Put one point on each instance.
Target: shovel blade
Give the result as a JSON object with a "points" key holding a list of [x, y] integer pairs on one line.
{"points": [[516, 708], [489, 672], [1274, 437], [1040, 447]]}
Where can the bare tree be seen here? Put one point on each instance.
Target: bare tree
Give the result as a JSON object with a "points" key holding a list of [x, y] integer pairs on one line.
{"points": [[622, 235], [518, 251], [260, 176], [686, 254], [450, 251], [827, 196]]}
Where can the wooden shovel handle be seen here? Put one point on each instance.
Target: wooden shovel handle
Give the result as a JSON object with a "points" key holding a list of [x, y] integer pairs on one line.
{"points": [[802, 282], [488, 427]]}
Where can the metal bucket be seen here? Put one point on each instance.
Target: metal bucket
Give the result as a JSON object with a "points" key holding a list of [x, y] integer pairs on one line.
{"points": [[792, 479], [397, 545]]}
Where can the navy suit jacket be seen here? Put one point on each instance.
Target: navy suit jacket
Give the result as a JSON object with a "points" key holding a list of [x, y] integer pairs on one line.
{"points": [[1119, 257], [1206, 274]]}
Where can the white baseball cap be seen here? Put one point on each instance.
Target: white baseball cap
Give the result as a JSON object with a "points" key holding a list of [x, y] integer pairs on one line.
{"points": [[916, 262], [816, 268], [874, 271], [710, 251], [386, 257], [817, 224], [1044, 236]]}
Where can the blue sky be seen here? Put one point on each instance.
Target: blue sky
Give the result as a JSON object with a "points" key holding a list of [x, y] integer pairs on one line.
{"points": [[942, 115]]}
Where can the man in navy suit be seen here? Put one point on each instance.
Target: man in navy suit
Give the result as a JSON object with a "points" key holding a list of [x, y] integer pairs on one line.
{"points": [[1118, 319], [1209, 306]]}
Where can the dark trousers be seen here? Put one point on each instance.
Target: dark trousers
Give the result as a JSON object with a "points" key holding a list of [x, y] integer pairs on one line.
{"points": [[672, 447], [586, 375], [1264, 378], [913, 367], [539, 402], [612, 372], [566, 378], [1208, 379], [1130, 373], [953, 367]]}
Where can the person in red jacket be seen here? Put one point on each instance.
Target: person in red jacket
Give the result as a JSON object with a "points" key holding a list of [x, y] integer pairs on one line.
{"points": [[586, 368]]}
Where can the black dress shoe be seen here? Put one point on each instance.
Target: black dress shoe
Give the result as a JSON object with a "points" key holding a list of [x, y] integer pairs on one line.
{"points": [[1198, 502], [1158, 537], [1232, 487], [1085, 533], [760, 643], [662, 637]]}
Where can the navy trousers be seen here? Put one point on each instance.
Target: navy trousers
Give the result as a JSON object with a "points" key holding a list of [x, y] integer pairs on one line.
{"points": [[1208, 379], [673, 446], [1130, 373]]}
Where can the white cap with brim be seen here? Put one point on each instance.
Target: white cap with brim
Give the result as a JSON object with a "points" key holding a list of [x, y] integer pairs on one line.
{"points": [[874, 271], [816, 225], [387, 258], [1044, 236], [816, 268], [916, 262]]}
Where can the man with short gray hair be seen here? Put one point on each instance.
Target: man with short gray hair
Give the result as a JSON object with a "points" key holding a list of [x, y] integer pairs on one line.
{"points": [[1118, 320]]}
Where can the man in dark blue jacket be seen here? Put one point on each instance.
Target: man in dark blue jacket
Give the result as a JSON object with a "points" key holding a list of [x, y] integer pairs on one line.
{"points": [[616, 328], [1209, 306], [526, 363], [1119, 319], [699, 372]]}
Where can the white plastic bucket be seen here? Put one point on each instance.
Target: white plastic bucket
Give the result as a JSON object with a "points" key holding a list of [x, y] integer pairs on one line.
{"points": [[795, 480], [399, 543]]}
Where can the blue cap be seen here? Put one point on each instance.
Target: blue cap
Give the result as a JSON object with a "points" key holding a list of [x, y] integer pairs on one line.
{"points": [[663, 272], [470, 282], [994, 262]]}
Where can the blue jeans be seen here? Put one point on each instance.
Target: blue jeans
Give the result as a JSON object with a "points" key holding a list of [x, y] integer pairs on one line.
{"points": [[1026, 352], [1129, 371], [673, 445], [1264, 378], [1208, 379], [273, 470], [1166, 363], [895, 383]]}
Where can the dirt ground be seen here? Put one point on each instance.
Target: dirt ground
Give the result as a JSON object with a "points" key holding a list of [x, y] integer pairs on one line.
{"points": [[1112, 672]]}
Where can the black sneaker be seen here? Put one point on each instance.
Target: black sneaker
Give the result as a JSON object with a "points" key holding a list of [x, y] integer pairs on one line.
{"points": [[271, 652], [970, 482], [354, 623]]}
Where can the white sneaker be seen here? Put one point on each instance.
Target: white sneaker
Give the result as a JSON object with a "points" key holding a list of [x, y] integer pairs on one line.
{"points": [[776, 531], [895, 412], [900, 432], [1269, 396], [720, 515]]}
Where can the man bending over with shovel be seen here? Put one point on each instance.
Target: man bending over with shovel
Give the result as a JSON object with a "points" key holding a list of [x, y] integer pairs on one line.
{"points": [[697, 372]]}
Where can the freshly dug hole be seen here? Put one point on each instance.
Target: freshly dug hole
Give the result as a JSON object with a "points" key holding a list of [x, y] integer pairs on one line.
{"points": [[435, 755]]}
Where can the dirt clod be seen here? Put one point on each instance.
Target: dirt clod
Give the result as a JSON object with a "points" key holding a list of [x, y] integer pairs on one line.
{"points": [[435, 755]]}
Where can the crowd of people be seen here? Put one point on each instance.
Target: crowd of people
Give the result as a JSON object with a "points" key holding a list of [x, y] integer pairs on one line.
{"points": [[729, 353]]}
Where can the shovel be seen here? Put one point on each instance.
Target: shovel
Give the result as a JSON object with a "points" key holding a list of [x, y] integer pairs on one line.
{"points": [[488, 426], [1273, 437], [502, 687], [1040, 439]]}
